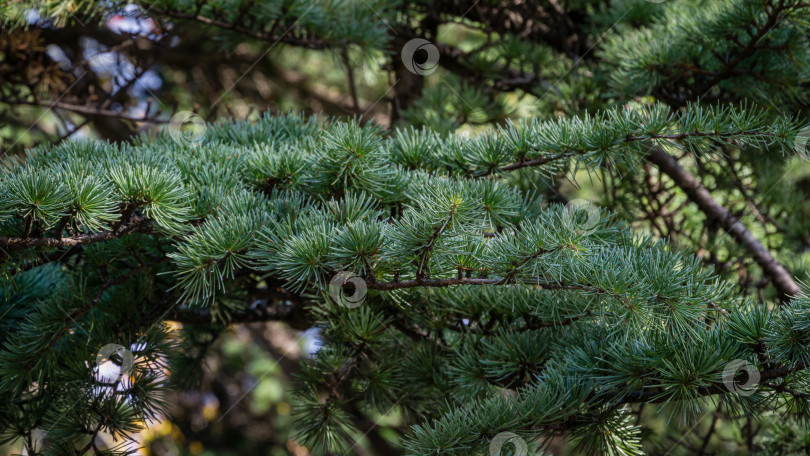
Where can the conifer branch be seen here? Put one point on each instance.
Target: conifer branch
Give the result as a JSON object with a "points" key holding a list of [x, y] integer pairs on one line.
{"points": [[782, 279], [546, 159], [269, 36], [90, 110], [442, 283], [438, 283], [647, 396], [280, 312], [136, 225]]}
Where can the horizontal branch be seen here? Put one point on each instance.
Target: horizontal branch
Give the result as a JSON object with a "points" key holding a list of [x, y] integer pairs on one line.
{"points": [[138, 224], [534, 162], [658, 396], [629, 139], [440, 283], [270, 303], [697, 193], [315, 43], [536, 324], [93, 111]]}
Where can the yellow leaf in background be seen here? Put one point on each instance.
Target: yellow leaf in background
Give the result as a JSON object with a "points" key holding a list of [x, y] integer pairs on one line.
{"points": [[195, 447], [209, 411], [283, 408]]}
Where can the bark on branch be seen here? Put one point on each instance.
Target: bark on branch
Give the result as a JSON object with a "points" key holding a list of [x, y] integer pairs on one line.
{"points": [[138, 224], [657, 397], [697, 193]]}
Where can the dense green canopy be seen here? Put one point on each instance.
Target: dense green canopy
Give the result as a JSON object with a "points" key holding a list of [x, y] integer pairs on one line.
{"points": [[452, 285]]}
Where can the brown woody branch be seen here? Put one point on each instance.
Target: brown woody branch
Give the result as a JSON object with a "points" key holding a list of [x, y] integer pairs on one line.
{"points": [[697, 193], [629, 139], [93, 111], [440, 283], [782, 279], [308, 43], [138, 224], [657, 396]]}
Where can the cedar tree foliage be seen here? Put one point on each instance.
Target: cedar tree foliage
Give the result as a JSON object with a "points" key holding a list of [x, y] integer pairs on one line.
{"points": [[456, 291]]}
